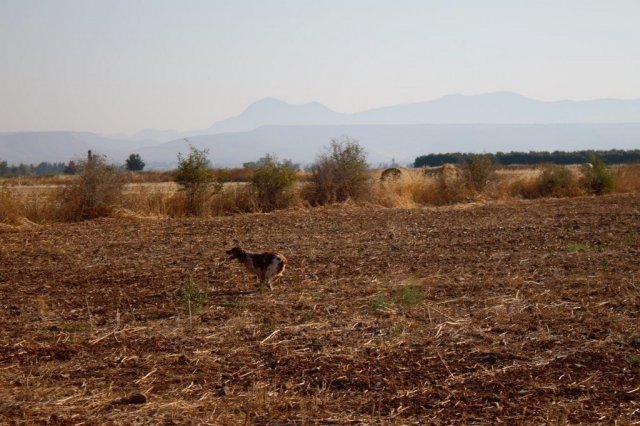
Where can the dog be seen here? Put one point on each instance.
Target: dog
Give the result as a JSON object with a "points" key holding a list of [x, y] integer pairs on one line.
{"points": [[266, 266]]}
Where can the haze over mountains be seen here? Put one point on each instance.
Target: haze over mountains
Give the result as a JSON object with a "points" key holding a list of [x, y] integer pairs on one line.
{"points": [[490, 122]]}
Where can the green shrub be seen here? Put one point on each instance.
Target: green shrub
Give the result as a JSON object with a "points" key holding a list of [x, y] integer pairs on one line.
{"points": [[556, 181], [339, 173], [273, 182], [597, 177], [196, 179]]}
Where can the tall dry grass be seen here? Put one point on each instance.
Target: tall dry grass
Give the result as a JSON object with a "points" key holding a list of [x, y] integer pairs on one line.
{"points": [[627, 178], [37, 180], [46, 204], [36, 207], [413, 189]]}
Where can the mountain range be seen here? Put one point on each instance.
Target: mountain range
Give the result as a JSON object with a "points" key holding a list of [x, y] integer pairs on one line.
{"points": [[499, 121]]}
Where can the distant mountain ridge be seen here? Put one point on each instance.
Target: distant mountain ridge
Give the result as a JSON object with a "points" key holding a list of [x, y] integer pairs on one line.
{"points": [[274, 112], [314, 121], [402, 142], [490, 108]]}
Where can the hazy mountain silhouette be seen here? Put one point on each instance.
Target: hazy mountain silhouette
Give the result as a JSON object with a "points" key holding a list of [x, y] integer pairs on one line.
{"points": [[271, 111], [494, 108], [486, 122], [401, 142], [503, 108]]}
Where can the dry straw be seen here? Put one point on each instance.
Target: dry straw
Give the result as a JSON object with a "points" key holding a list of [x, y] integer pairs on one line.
{"points": [[149, 196]]}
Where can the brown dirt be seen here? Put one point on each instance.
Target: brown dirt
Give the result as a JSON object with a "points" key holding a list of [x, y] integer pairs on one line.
{"points": [[518, 312]]}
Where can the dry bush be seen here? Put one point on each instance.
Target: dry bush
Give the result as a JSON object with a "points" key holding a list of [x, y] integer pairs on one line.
{"points": [[476, 170], [449, 189], [339, 174], [627, 178], [96, 192], [597, 177], [197, 181], [557, 181], [554, 181], [525, 187], [273, 183]]}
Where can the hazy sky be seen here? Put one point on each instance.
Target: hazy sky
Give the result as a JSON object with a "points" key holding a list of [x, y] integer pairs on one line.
{"points": [[123, 65]]}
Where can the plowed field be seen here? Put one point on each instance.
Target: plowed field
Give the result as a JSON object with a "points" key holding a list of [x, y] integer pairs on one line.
{"points": [[518, 312]]}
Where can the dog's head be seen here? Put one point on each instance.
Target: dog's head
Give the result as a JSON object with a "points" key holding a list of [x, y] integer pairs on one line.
{"points": [[236, 253]]}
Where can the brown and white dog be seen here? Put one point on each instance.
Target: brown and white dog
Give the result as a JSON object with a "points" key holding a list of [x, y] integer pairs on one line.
{"points": [[265, 265]]}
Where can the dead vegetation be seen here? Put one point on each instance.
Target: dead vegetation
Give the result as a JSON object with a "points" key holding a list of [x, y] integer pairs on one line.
{"points": [[411, 188], [519, 312]]}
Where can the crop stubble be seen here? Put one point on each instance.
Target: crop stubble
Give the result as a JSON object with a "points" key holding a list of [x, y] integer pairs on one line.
{"points": [[523, 312]]}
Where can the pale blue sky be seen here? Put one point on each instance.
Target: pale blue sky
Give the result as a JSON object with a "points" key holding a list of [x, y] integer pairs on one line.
{"points": [[123, 65]]}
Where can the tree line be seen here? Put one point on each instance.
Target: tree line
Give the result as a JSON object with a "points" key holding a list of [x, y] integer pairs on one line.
{"points": [[22, 169], [612, 156], [133, 163]]}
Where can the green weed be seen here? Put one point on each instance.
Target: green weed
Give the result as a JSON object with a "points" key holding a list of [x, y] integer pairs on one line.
{"points": [[190, 297], [578, 247], [634, 360], [396, 331], [630, 238], [379, 302], [234, 304], [408, 295]]}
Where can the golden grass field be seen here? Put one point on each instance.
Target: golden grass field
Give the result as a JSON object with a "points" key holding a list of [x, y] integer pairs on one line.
{"points": [[154, 194]]}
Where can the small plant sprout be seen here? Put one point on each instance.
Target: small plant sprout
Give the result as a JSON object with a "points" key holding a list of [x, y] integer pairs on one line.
{"points": [[408, 295], [191, 298], [634, 360], [379, 302], [631, 236], [578, 247]]}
